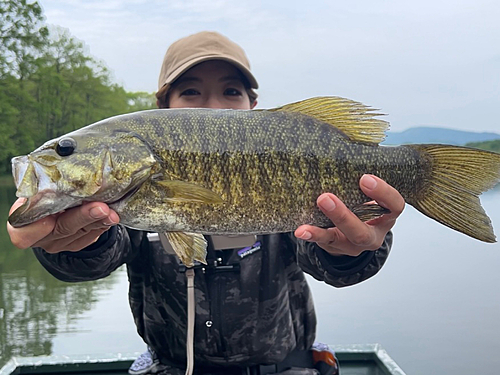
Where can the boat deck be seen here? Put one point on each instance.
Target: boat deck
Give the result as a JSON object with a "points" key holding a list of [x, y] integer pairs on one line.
{"points": [[368, 359]]}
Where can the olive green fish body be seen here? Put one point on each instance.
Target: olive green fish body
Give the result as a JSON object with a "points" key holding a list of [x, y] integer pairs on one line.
{"points": [[268, 170], [185, 172]]}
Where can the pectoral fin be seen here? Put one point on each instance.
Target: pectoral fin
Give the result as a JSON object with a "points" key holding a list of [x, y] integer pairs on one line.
{"points": [[180, 191], [188, 247]]}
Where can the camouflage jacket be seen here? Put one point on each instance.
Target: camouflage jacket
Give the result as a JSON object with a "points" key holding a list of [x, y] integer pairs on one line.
{"points": [[255, 310]]}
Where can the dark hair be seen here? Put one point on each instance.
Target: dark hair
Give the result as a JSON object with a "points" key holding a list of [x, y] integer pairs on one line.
{"points": [[162, 96]]}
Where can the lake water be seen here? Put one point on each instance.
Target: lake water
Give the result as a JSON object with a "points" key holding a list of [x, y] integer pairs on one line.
{"points": [[435, 306]]}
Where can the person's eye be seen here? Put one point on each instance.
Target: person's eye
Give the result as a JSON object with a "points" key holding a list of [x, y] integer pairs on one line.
{"points": [[190, 92], [232, 92]]}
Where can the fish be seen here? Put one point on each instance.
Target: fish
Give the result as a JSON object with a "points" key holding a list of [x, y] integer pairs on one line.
{"points": [[193, 172]]}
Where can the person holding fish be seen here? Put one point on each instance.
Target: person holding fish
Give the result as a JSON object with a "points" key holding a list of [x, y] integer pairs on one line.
{"points": [[254, 312]]}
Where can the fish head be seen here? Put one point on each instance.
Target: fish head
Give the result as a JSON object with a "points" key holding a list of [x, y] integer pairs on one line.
{"points": [[86, 165]]}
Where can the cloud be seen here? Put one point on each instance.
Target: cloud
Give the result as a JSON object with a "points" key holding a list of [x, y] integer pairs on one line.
{"points": [[132, 36], [424, 62]]}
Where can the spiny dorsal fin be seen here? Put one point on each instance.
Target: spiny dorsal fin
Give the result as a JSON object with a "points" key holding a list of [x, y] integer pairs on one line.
{"points": [[352, 118]]}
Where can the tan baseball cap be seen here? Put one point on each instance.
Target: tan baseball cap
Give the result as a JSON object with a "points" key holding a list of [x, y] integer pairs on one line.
{"points": [[203, 46]]}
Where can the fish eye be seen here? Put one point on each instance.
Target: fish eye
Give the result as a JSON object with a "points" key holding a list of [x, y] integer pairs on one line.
{"points": [[66, 146]]}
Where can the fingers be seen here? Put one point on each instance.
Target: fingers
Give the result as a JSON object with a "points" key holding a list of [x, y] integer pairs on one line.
{"points": [[18, 203], [26, 236], [383, 193], [89, 216], [351, 236], [76, 242], [79, 227], [71, 230]]}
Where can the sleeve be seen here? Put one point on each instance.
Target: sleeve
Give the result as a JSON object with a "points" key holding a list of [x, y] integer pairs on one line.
{"points": [[114, 248], [344, 270]]}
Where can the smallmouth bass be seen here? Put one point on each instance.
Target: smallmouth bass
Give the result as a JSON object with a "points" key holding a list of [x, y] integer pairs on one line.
{"points": [[188, 172]]}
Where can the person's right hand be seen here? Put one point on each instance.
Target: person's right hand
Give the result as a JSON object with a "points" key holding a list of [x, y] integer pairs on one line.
{"points": [[71, 230]]}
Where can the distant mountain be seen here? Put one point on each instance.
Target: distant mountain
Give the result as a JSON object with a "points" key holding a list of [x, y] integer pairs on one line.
{"points": [[437, 135]]}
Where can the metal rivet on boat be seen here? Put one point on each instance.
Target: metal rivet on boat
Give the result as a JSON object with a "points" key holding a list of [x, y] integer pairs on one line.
{"points": [[209, 323]]}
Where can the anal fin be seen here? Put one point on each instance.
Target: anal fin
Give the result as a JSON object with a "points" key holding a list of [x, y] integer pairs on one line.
{"points": [[370, 211]]}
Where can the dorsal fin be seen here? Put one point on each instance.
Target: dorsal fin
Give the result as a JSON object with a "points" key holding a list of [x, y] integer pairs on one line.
{"points": [[352, 118]]}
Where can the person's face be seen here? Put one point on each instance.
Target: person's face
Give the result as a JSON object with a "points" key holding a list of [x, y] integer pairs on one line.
{"points": [[211, 84]]}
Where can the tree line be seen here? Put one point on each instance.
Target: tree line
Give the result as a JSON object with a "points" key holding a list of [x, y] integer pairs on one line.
{"points": [[49, 84], [486, 145]]}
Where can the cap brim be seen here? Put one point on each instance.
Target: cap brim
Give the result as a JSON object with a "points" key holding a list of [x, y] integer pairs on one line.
{"points": [[188, 65]]}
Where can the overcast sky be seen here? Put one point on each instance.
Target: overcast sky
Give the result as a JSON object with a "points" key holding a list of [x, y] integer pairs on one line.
{"points": [[426, 62]]}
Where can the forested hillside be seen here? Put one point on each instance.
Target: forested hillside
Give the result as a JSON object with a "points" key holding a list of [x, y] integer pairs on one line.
{"points": [[49, 84], [487, 145]]}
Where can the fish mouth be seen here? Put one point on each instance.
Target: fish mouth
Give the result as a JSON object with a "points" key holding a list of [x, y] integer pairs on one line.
{"points": [[15, 218], [42, 198], [36, 207], [49, 202]]}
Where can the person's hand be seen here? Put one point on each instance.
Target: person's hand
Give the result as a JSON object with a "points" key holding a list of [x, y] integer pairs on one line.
{"points": [[351, 236], [71, 230]]}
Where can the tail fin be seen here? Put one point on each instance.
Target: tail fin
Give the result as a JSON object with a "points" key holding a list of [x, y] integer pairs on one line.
{"points": [[459, 175]]}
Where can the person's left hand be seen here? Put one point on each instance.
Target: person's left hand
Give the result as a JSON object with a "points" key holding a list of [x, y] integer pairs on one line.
{"points": [[351, 236]]}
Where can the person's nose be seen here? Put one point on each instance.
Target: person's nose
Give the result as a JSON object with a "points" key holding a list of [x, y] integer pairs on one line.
{"points": [[214, 102]]}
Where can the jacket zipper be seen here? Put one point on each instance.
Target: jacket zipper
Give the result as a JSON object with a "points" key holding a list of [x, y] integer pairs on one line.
{"points": [[217, 311], [219, 315], [217, 287]]}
